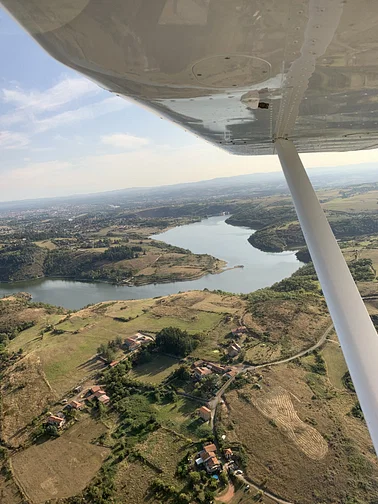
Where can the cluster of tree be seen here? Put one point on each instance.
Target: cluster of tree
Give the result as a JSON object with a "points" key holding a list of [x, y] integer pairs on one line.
{"points": [[121, 252], [21, 261], [348, 383], [274, 238], [207, 386], [362, 270], [66, 263], [303, 255], [202, 489], [182, 373], [26, 260], [319, 366], [257, 216], [10, 328], [296, 283], [356, 411], [173, 340], [109, 350]]}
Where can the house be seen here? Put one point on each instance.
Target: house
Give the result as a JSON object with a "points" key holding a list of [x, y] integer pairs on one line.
{"points": [[217, 368], [210, 448], [99, 393], [234, 349], [232, 373], [208, 458], [197, 363], [56, 420], [76, 405], [228, 453], [213, 465], [95, 389], [131, 344], [200, 372], [139, 339], [113, 363], [205, 413], [239, 331], [104, 399]]}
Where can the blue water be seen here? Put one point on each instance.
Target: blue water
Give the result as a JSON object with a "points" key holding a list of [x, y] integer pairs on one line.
{"points": [[210, 236]]}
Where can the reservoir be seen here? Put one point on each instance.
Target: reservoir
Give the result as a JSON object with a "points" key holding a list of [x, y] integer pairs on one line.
{"points": [[210, 236]]}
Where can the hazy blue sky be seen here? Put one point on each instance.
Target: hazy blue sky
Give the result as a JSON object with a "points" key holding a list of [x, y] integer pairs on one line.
{"points": [[61, 134]]}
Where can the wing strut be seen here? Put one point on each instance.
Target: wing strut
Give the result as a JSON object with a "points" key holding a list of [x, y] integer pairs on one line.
{"points": [[356, 332]]}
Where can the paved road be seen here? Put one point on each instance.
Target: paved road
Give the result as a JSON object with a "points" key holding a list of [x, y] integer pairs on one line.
{"points": [[258, 487], [213, 403], [299, 354]]}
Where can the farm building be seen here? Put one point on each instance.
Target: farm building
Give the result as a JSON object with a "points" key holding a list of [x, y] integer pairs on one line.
{"points": [[234, 349], [56, 420], [136, 341], [204, 413], [76, 405], [200, 372]]}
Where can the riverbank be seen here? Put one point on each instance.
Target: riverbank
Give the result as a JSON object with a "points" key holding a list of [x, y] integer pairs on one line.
{"points": [[207, 239]]}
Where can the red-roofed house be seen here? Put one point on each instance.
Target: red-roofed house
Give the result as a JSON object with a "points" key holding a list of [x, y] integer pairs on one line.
{"points": [[205, 413], [228, 453], [200, 372], [208, 457], [99, 393], [104, 399], [55, 420], [210, 448], [95, 389], [212, 465], [76, 405], [238, 331]]}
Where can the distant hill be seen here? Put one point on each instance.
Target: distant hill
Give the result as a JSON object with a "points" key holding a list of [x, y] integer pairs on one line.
{"points": [[224, 187]]}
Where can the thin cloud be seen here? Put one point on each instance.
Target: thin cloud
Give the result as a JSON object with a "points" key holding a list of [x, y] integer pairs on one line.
{"points": [[13, 140], [124, 141], [53, 98], [85, 112]]}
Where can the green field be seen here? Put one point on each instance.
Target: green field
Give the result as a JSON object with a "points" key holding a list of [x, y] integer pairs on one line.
{"points": [[336, 366], [155, 371], [69, 357]]}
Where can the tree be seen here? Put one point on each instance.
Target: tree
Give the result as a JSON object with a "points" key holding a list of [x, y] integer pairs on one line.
{"points": [[182, 373], [52, 430], [209, 496], [184, 498], [195, 478], [223, 478], [207, 385], [175, 341]]}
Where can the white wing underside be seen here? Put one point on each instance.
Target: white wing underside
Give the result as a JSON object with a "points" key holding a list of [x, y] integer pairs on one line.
{"points": [[207, 64]]}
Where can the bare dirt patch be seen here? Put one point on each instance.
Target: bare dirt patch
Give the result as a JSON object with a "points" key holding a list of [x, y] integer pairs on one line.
{"points": [[61, 467], [277, 405], [163, 450], [345, 473], [289, 326], [25, 393], [133, 481]]}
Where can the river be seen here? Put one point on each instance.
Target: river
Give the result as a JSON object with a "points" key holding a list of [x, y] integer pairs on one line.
{"points": [[210, 236]]}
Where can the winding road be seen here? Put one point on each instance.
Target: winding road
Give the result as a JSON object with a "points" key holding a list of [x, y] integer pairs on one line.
{"points": [[213, 403]]}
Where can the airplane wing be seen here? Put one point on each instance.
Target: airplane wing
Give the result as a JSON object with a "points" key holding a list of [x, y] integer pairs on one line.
{"points": [[252, 77]]}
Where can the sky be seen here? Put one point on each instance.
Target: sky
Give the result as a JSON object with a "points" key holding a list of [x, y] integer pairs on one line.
{"points": [[61, 134]]}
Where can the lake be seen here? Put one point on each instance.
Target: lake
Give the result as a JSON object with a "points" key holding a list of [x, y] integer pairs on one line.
{"points": [[210, 236]]}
